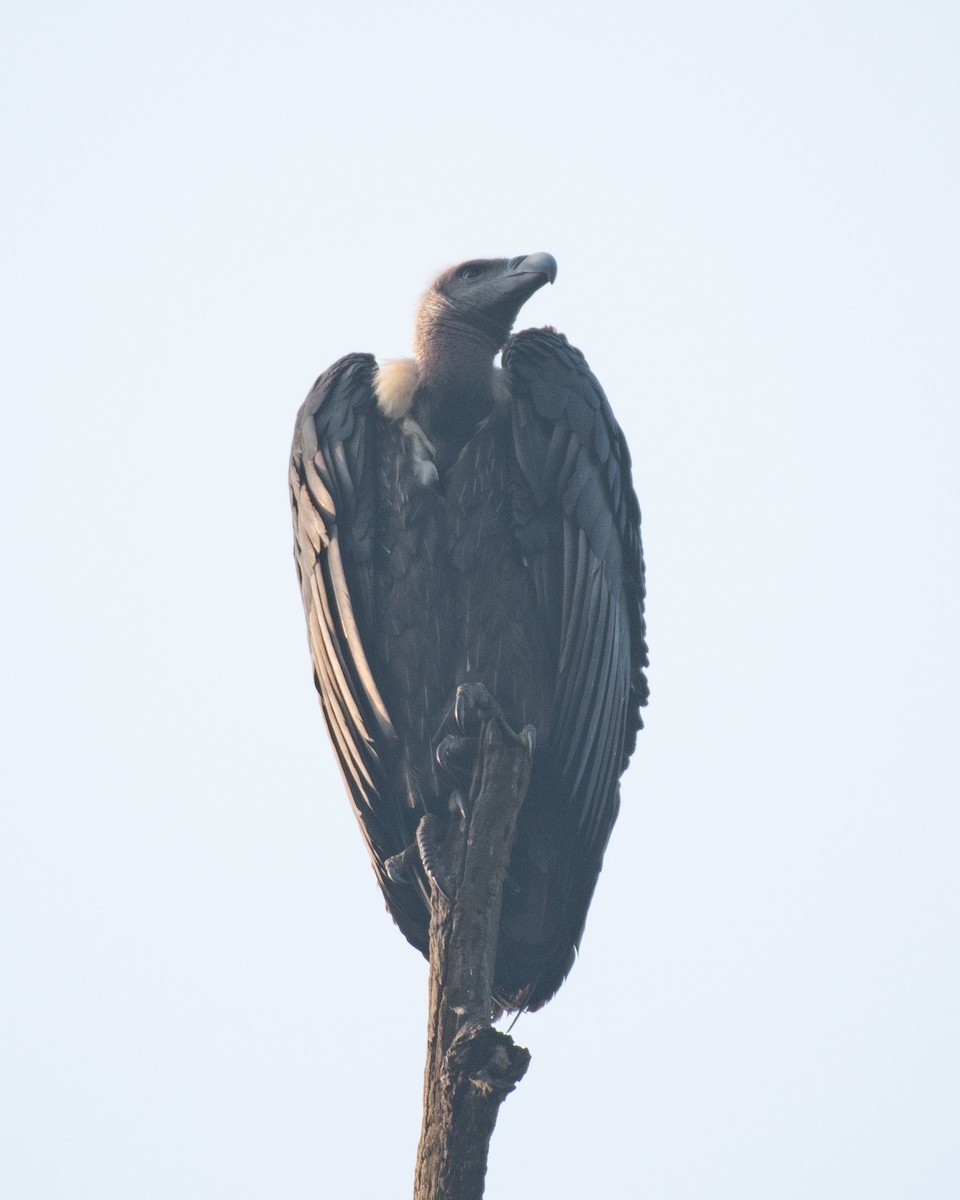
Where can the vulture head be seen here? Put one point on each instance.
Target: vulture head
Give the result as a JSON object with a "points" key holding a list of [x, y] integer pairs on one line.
{"points": [[477, 302], [464, 319]]}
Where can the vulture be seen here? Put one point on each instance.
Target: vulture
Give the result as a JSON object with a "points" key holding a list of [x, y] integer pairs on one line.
{"points": [[459, 521]]}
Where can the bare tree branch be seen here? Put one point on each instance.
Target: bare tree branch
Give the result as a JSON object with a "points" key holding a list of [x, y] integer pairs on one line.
{"points": [[471, 1067]]}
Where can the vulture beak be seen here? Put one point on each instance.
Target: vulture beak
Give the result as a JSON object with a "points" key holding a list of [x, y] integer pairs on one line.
{"points": [[534, 264]]}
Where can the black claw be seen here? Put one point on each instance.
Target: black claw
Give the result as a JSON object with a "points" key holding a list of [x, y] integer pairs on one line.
{"points": [[454, 754], [398, 866], [473, 700]]}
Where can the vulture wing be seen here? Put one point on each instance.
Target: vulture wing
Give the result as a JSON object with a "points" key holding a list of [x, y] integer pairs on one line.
{"points": [[577, 520], [333, 485]]}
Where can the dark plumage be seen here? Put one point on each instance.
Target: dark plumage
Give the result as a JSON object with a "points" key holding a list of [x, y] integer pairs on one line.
{"points": [[454, 523]]}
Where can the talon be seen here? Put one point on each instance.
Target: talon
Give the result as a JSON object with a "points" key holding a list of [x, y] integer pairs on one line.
{"points": [[458, 805], [398, 866], [453, 753], [430, 857], [474, 700], [442, 753]]}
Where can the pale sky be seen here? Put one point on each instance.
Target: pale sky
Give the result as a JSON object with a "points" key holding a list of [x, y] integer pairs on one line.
{"points": [[754, 208]]}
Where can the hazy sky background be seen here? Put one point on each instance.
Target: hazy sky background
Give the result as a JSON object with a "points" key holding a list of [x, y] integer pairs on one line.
{"points": [[755, 208]]}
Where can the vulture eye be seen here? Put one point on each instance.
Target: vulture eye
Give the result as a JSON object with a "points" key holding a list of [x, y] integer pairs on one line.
{"points": [[473, 271]]}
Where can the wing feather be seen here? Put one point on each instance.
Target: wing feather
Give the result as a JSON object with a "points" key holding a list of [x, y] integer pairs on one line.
{"points": [[578, 523], [332, 469]]}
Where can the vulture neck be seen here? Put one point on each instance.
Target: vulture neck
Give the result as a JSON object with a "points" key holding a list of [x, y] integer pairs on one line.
{"points": [[456, 386]]}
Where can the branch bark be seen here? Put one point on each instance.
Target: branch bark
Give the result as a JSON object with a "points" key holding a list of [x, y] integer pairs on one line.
{"points": [[471, 1067]]}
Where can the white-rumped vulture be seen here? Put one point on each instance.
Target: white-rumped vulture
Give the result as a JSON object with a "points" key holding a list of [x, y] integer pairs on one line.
{"points": [[456, 522]]}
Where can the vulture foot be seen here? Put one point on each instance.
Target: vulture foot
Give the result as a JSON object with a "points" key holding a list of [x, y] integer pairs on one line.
{"points": [[474, 703], [425, 852], [455, 755], [430, 855], [400, 866]]}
